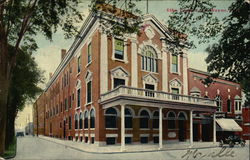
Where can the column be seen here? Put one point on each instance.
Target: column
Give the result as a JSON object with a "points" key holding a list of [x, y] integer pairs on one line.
{"points": [[164, 67], [134, 63], [191, 127], [104, 63], [122, 127], [185, 75], [214, 129], [160, 128]]}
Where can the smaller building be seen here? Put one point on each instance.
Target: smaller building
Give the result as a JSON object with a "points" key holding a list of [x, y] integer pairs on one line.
{"points": [[39, 116]]}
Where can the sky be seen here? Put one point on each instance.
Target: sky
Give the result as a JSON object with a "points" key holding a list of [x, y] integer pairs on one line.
{"points": [[48, 56]]}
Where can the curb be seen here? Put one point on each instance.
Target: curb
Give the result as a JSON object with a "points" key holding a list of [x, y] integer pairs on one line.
{"points": [[153, 150]]}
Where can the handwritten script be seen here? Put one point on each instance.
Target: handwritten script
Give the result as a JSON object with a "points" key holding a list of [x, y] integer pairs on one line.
{"points": [[196, 154]]}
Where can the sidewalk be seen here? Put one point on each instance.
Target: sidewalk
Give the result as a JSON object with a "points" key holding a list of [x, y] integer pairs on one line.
{"points": [[134, 148]]}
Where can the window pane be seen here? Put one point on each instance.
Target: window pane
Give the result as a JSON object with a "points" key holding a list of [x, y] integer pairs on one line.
{"points": [[119, 48], [79, 64], [118, 82], [78, 97], [89, 52], [89, 88]]}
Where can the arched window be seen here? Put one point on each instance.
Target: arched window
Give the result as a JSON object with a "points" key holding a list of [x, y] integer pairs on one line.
{"points": [[86, 120], [128, 118], [156, 119], [92, 118], [76, 121], [110, 118], [144, 119], [70, 124], [218, 103], [149, 59], [228, 105], [80, 121], [171, 120], [182, 116]]}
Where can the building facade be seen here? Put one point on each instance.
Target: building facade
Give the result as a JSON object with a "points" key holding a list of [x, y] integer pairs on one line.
{"points": [[127, 90]]}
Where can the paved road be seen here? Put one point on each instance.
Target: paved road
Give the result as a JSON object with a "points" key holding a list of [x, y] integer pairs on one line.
{"points": [[36, 148]]}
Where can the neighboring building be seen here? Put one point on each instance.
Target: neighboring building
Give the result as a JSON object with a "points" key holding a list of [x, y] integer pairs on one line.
{"points": [[39, 115], [29, 129], [104, 81], [228, 100]]}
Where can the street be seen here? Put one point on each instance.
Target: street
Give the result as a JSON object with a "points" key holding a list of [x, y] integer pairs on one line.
{"points": [[37, 148]]}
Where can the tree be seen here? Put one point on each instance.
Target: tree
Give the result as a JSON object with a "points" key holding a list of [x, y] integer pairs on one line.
{"points": [[230, 57], [23, 88], [20, 21]]}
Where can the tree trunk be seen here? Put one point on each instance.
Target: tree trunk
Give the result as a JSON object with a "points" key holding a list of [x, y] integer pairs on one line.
{"points": [[10, 128], [4, 87]]}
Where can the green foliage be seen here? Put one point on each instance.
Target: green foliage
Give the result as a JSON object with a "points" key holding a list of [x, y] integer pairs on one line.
{"points": [[26, 77], [195, 18], [118, 17], [23, 19]]}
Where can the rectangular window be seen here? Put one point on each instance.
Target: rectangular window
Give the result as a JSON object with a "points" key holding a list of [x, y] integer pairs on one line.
{"points": [[110, 140], [78, 97], [119, 49], [89, 52], [89, 90], [144, 139], [69, 101], [118, 82], [128, 140], [79, 64], [175, 92], [156, 139], [70, 125], [228, 105], [149, 87], [92, 140], [66, 104], [174, 63]]}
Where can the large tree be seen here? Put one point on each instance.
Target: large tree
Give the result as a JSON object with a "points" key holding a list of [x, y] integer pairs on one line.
{"points": [[229, 56], [20, 21], [23, 88]]}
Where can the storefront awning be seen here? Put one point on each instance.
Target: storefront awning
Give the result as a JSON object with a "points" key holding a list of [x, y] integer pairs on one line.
{"points": [[228, 125]]}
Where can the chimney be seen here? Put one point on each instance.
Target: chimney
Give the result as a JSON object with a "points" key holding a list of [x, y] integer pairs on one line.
{"points": [[50, 75], [63, 53]]}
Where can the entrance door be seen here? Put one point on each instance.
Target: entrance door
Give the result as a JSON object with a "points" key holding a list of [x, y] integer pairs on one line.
{"points": [[195, 132], [182, 130], [64, 129]]}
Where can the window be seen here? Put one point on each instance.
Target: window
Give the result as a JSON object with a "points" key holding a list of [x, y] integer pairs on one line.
{"points": [[89, 90], [128, 140], [78, 97], [156, 119], [171, 120], [218, 103], [156, 139], [69, 101], [237, 104], [70, 125], [65, 104], [76, 121], [128, 118], [175, 63], [149, 87], [144, 139], [79, 64], [86, 139], [118, 82], [61, 107], [175, 92], [86, 120], [80, 120], [92, 118], [110, 118], [92, 140], [119, 49], [110, 140], [89, 52], [149, 59], [228, 105], [144, 119]]}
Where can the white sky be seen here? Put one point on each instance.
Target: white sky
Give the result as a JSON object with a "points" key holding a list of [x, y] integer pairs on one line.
{"points": [[48, 55]]}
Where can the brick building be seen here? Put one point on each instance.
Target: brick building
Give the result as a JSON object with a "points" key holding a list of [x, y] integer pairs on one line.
{"points": [[130, 89]]}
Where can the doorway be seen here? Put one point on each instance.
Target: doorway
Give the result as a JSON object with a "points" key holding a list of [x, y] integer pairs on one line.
{"points": [[182, 130]]}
